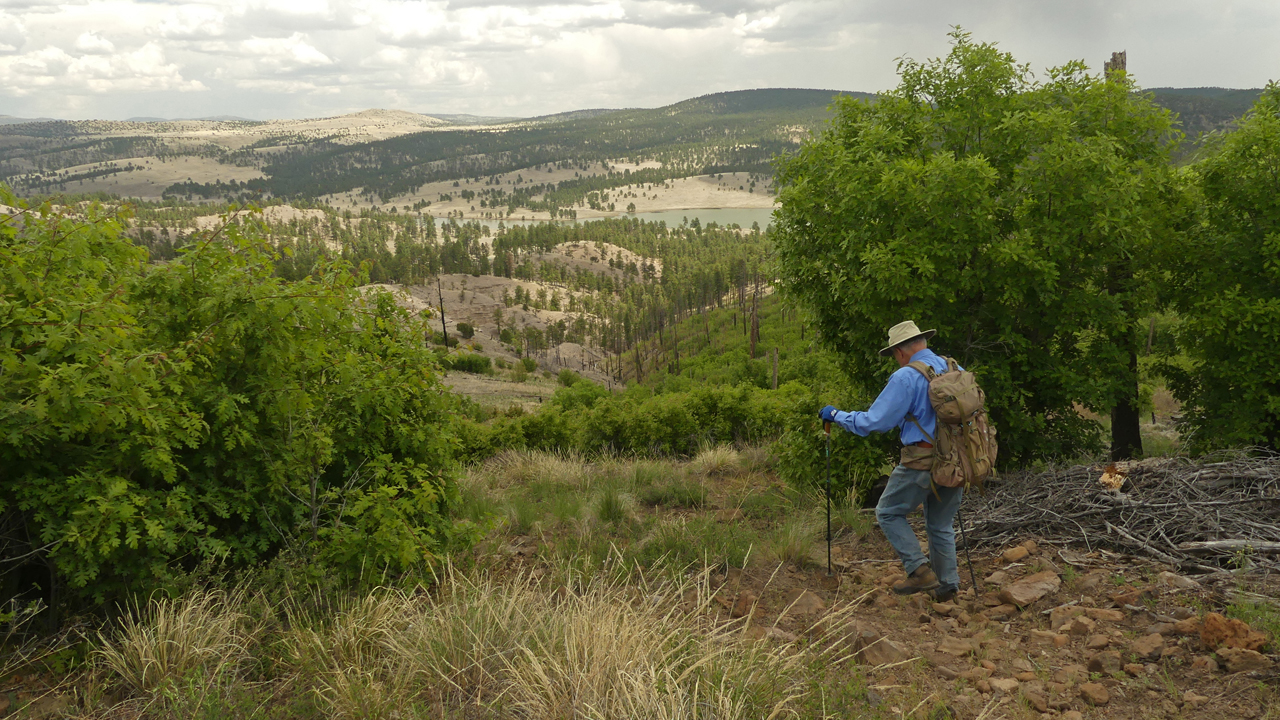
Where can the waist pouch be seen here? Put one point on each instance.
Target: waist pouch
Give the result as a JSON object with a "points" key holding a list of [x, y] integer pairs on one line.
{"points": [[915, 457]]}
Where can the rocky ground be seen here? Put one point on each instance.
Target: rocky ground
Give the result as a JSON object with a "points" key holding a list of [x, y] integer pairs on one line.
{"points": [[1053, 632]]}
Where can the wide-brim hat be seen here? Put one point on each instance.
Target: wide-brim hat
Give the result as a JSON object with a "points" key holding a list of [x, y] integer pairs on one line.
{"points": [[904, 332]]}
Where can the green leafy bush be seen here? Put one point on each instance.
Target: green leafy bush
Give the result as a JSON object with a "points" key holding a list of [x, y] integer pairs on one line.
{"points": [[466, 330], [156, 417], [469, 362], [1226, 287]]}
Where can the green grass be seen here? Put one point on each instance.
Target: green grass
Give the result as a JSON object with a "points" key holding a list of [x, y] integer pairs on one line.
{"points": [[1261, 616], [676, 493]]}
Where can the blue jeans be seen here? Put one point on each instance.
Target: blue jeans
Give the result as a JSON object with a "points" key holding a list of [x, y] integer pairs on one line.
{"points": [[907, 490]]}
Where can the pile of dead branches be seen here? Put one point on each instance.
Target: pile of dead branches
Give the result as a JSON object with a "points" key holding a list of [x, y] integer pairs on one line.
{"points": [[1205, 516]]}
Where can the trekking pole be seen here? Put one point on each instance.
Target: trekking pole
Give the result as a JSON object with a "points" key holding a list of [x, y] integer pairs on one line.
{"points": [[827, 427], [964, 538]]}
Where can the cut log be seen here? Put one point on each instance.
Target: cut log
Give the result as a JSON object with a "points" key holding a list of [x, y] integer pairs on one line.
{"points": [[1209, 546]]}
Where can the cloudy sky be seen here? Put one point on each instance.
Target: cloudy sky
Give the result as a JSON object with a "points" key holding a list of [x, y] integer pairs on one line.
{"points": [[116, 59]]}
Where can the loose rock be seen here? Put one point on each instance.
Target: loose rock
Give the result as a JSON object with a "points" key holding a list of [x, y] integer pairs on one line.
{"points": [[1244, 660], [1105, 615], [1095, 694], [1005, 685], [1107, 661], [1031, 588], [1218, 631], [1014, 554], [957, 646], [1148, 647], [1174, 581], [744, 605], [1097, 642], [803, 602]]}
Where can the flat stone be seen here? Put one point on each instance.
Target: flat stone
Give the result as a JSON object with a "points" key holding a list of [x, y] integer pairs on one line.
{"points": [[1025, 677], [1095, 694], [1173, 581], [1014, 554], [1031, 588], [803, 602], [1072, 715], [882, 652], [1036, 700], [1161, 628], [1070, 674], [1182, 613], [946, 673], [1104, 615], [1148, 647], [984, 686], [998, 577], [744, 605], [1188, 626], [1204, 664], [1080, 626], [1061, 641], [886, 601], [1244, 660], [1191, 698], [958, 647], [1097, 642], [1001, 612], [1063, 614], [1133, 669], [1030, 546], [975, 674], [1043, 636], [1005, 685], [1107, 661], [946, 609], [1091, 581], [780, 635]]}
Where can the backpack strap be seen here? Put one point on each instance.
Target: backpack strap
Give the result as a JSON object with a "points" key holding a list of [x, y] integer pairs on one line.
{"points": [[923, 368], [915, 422]]}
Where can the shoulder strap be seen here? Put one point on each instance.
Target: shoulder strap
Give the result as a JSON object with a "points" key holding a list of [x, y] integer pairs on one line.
{"points": [[924, 432], [952, 365], [923, 368]]}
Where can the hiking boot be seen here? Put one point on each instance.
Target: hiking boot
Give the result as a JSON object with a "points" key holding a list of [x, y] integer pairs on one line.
{"points": [[944, 595], [921, 580]]}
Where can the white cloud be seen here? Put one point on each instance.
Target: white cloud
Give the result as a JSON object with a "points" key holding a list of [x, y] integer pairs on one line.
{"points": [[94, 44], [193, 22], [12, 33], [54, 70], [284, 54], [263, 58]]}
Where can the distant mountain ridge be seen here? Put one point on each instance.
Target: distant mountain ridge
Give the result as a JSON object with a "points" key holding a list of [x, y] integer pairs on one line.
{"points": [[1206, 109]]}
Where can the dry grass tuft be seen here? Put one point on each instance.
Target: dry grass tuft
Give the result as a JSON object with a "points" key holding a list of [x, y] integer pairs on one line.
{"points": [[169, 641], [793, 542], [498, 648], [521, 467], [719, 460]]}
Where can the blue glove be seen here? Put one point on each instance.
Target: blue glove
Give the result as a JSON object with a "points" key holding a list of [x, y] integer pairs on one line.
{"points": [[828, 413]]}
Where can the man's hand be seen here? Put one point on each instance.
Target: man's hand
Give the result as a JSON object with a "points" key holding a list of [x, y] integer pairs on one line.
{"points": [[828, 413]]}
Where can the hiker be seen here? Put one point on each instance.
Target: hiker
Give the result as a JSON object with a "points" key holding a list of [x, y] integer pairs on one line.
{"points": [[904, 404]]}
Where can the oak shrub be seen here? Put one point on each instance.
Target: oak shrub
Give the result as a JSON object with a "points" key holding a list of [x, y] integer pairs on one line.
{"points": [[157, 417]]}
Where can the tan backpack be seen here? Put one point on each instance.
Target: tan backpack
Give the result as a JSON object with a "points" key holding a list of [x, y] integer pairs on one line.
{"points": [[964, 451]]}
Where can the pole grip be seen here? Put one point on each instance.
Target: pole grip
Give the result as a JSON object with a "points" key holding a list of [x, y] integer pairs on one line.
{"points": [[826, 427]]}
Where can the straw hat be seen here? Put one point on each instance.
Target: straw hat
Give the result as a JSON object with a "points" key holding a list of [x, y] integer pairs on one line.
{"points": [[903, 332]]}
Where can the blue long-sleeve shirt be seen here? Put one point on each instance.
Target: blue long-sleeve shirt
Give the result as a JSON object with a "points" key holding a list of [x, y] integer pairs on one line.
{"points": [[907, 392]]}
